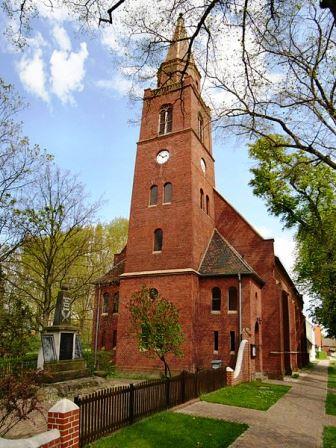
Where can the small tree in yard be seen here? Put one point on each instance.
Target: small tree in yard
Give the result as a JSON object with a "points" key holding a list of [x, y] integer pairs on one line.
{"points": [[155, 321]]}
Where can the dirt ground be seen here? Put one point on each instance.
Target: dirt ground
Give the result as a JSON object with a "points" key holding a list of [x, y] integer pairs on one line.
{"points": [[51, 393]]}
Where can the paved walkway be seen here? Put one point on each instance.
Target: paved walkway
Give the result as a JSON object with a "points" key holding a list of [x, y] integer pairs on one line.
{"points": [[295, 421]]}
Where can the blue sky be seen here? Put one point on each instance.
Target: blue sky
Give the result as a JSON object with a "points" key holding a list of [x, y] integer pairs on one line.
{"points": [[79, 111]]}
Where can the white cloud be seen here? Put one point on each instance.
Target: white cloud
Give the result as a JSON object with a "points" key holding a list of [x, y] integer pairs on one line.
{"points": [[68, 72], [32, 74], [62, 38], [121, 85]]}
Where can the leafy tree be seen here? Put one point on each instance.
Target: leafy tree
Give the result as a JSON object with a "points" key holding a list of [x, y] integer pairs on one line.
{"points": [[15, 327], [57, 238], [155, 320], [302, 193]]}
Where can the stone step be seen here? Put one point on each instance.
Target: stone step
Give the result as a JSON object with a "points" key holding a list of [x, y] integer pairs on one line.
{"points": [[56, 377], [64, 365]]}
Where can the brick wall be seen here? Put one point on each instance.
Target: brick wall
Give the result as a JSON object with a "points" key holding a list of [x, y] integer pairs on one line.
{"points": [[64, 416]]}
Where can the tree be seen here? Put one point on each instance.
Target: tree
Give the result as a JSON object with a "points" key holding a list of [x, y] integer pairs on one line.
{"points": [[57, 238], [302, 193], [267, 70], [19, 163], [155, 321]]}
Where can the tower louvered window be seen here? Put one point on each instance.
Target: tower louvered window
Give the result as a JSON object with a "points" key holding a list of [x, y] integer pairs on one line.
{"points": [[233, 299], [166, 119]]}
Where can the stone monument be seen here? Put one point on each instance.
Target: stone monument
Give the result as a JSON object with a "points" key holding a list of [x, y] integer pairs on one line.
{"points": [[61, 355]]}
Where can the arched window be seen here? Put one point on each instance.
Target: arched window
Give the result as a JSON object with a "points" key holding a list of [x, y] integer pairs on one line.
{"points": [[166, 119], [106, 300], [167, 193], [233, 299], [216, 299], [158, 240], [116, 302], [200, 127], [201, 198], [207, 205], [153, 197]]}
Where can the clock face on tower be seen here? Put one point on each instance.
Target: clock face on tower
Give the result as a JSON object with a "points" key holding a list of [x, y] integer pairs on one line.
{"points": [[162, 157]]}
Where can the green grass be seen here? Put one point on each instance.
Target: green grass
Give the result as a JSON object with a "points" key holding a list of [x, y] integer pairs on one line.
{"points": [[321, 355], [116, 374], [255, 395], [329, 437], [331, 403], [332, 376], [172, 430]]}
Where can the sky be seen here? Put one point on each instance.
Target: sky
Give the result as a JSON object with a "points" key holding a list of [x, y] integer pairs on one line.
{"points": [[79, 111]]}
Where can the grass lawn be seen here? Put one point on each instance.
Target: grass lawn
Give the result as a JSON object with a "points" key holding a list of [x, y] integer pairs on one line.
{"points": [[255, 395], [172, 430], [329, 437], [332, 376], [331, 403]]}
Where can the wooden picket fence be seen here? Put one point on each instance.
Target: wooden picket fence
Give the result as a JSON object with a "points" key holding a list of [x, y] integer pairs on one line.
{"points": [[107, 410]]}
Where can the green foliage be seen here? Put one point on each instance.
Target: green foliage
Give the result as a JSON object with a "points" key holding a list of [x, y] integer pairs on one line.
{"points": [[155, 321], [16, 338], [329, 437], [171, 430], [255, 395], [301, 191]]}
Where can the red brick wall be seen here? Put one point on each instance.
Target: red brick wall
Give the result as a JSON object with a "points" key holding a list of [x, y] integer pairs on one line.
{"points": [[186, 228]]}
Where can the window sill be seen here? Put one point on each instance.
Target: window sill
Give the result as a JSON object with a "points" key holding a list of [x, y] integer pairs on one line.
{"points": [[215, 312], [166, 203], [215, 352], [104, 314], [115, 313], [232, 312], [152, 205], [157, 251], [232, 352]]}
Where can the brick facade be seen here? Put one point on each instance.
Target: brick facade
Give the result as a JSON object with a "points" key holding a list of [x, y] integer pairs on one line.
{"points": [[204, 248]]}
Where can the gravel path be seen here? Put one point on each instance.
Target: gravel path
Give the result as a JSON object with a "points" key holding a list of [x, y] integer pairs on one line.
{"points": [[296, 420]]}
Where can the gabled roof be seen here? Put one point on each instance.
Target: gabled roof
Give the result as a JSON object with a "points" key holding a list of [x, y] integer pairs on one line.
{"points": [[221, 258], [112, 276]]}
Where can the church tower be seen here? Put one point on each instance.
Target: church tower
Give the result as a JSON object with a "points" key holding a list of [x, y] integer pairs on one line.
{"points": [[172, 206], [172, 213]]}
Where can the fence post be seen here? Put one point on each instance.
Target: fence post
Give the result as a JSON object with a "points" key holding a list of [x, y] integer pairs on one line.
{"points": [[167, 392], [183, 378], [64, 416], [131, 404]]}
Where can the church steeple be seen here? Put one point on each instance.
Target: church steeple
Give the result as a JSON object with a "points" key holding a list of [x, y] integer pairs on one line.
{"points": [[174, 65], [179, 46]]}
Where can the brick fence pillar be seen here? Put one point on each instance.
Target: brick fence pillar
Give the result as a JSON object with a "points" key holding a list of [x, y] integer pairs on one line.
{"points": [[64, 416], [229, 376]]}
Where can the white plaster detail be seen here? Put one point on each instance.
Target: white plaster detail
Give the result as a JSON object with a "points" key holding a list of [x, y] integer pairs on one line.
{"points": [[63, 406], [240, 358], [32, 442]]}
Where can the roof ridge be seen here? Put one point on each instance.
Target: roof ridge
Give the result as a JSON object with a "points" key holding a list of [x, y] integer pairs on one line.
{"points": [[235, 252]]}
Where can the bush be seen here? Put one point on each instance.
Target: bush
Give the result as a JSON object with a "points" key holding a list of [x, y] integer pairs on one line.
{"points": [[18, 398], [103, 361]]}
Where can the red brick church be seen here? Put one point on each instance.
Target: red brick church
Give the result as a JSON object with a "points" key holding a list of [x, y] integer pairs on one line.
{"points": [[187, 242]]}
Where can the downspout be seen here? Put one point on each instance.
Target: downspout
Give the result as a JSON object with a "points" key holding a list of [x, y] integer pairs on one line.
{"points": [[240, 305], [97, 328]]}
